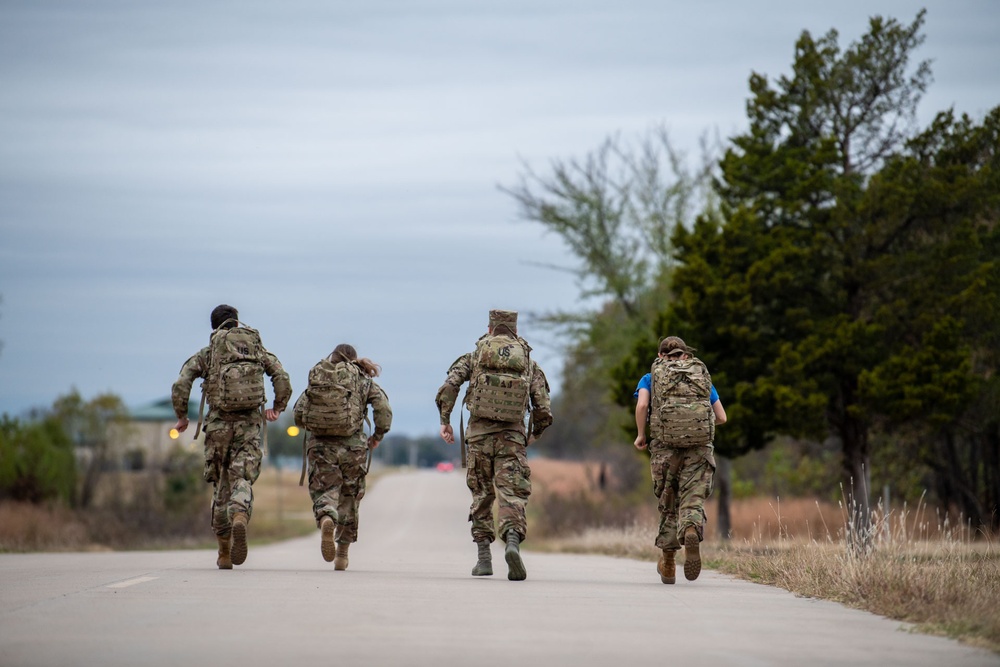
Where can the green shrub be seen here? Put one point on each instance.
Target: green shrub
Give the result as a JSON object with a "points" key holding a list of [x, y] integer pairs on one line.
{"points": [[36, 461]]}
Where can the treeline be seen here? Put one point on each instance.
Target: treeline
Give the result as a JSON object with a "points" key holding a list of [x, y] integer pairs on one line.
{"points": [[835, 264]]}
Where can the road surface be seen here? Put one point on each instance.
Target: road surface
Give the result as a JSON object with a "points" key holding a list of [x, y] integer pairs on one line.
{"points": [[408, 599]]}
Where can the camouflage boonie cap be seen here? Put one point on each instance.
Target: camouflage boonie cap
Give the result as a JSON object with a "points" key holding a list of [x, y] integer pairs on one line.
{"points": [[672, 344], [508, 317]]}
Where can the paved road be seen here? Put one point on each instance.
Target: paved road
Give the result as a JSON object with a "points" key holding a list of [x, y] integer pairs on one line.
{"points": [[408, 599]]}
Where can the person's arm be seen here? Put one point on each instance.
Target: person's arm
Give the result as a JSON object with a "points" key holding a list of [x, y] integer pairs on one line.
{"points": [[192, 369], [382, 414], [720, 412], [447, 395], [280, 383], [541, 404], [641, 415]]}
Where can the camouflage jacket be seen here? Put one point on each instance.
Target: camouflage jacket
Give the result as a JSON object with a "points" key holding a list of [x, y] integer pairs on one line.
{"points": [[197, 367], [461, 371]]}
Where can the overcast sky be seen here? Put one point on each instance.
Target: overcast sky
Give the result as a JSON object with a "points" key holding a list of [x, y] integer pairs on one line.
{"points": [[331, 168]]}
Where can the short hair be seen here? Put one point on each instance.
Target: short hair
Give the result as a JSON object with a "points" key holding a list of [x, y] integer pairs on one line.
{"points": [[221, 313]]}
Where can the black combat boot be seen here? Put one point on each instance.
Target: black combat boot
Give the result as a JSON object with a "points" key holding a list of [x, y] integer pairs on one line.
{"points": [[484, 566], [515, 566]]}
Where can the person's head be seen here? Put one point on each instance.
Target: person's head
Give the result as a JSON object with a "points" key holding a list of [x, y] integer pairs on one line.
{"points": [[673, 347], [345, 352], [503, 322], [222, 313]]}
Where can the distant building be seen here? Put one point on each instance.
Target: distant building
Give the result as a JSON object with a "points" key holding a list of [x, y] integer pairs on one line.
{"points": [[146, 438]]}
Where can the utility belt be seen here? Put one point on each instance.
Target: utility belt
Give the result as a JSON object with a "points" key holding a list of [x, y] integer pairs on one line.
{"points": [[240, 416]]}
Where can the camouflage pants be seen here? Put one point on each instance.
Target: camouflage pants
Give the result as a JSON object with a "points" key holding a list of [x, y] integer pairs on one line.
{"points": [[498, 460], [337, 481], [232, 464], [682, 480]]}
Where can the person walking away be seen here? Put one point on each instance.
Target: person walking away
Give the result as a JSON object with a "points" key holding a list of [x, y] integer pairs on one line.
{"points": [[683, 408], [504, 385], [232, 368], [334, 409]]}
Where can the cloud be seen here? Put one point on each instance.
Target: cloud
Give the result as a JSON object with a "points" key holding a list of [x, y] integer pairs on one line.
{"points": [[332, 168]]}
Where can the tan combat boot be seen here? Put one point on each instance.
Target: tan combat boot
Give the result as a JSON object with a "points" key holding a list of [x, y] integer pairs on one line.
{"points": [[666, 567], [326, 545], [223, 561], [692, 554], [239, 549], [340, 560]]}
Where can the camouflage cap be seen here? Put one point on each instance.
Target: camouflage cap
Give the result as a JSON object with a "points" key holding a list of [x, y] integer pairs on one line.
{"points": [[508, 317], [672, 344]]}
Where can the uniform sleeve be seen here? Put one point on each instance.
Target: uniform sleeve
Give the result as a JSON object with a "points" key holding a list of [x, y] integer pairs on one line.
{"points": [[279, 381], [381, 410], [645, 383], [541, 407], [714, 396], [447, 395], [194, 368]]}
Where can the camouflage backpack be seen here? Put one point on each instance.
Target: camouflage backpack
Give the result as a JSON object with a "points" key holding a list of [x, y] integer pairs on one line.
{"points": [[335, 403], [501, 379], [235, 381], [681, 411]]}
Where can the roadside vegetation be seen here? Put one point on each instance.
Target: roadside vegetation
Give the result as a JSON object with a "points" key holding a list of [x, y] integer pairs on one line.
{"points": [[794, 257], [921, 567]]}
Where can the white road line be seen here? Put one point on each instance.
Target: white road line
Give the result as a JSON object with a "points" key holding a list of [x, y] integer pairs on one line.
{"points": [[130, 582]]}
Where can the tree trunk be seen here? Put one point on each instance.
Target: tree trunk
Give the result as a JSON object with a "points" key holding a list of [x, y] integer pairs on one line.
{"points": [[857, 481], [962, 484], [723, 485], [991, 465]]}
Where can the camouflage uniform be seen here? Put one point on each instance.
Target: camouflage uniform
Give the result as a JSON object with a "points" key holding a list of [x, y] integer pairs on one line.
{"points": [[232, 439], [682, 480], [497, 453], [337, 468]]}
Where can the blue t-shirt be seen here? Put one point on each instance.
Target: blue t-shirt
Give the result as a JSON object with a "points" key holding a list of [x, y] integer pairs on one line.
{"points": [[647, 383]]}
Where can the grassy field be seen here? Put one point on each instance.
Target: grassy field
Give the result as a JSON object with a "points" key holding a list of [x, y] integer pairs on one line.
{"points": [[282, 508], [944, 579]]}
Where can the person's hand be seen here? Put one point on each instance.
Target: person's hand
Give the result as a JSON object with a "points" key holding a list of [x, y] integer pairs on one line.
{"points": [[272, 415], [181, 424], [640, 442], [531, 439], [447, 434], [372, 442]]}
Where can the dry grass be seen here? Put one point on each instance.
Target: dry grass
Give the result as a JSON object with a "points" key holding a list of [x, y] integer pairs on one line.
{"points": [[949, 586], [25, 527], [920, 568], [120, 518], [558, 477], [281, 508]]}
